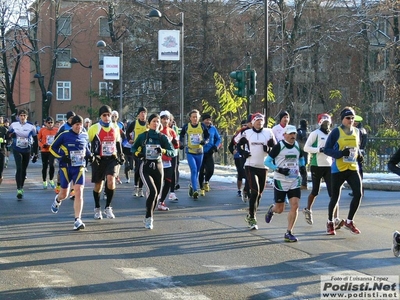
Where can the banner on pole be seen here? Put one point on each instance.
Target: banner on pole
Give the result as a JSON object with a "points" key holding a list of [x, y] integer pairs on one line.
{"points": [[111, 67], [168, 45]]}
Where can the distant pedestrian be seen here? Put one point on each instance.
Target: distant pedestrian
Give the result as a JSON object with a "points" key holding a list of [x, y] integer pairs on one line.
{"points": [[320, 166], [149, 147], [393, 167], [71, 147], [287, 161], [25, 142], [46, 137], [302, 135], [280, 128], [194, 135], [254, 145], [343, 145], [207, 166]]}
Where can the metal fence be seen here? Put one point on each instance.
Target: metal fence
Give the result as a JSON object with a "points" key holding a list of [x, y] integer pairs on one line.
{"points": [[377, 153]]}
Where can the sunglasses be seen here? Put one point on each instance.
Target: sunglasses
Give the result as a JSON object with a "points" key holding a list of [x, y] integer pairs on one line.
{"points": [[50, 122], [105, 115], [349, 118]]}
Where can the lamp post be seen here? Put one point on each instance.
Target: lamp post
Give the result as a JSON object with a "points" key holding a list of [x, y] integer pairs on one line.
{"points": [[266, 59], [155, 13], [102, 44], [76, 61]]}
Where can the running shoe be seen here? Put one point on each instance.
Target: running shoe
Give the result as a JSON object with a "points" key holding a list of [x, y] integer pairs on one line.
{"points": [[20, 193], [79, 224], [206, 186], [109, 213], [339, 223], [251, 222], [72, 195], [239, 194], [352, 227], [172, 197], [270, 213], [308, 215], [289, 237], [202, 192], [190, 192], [45, 185], [119, 181], [56, 205], [162, 206], [148, 223], [136, 191], [330, 228], [396, 244], [128, 180], [140, 192], [52, 184], [177, 187], [196, 195], [97, 213]]}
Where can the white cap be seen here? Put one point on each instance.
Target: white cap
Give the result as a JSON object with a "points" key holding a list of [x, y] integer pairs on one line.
{"points": [[290, 129], [87, 120], [165, 113], [115, 113]]}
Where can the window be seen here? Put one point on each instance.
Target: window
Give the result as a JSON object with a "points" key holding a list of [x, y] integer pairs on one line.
{"points": [[104, 87], [63, 90], [104, 29], [63, 57], [61, 117], [64, 25]]}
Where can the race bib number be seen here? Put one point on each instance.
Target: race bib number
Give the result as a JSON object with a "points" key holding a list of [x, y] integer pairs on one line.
{"points": [[108, 148], [293, 167], [166, 164], [352, 157], [195, 139], [77, 158], [151, 152], [49, 139], [22, 142]]}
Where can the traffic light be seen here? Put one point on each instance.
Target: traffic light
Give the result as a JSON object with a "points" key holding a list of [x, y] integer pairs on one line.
{"points": [[240, 84], [253, 82]]}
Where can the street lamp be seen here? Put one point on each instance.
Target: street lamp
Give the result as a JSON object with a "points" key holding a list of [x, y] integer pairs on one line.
{"points": [[102, 44], [76, 61], [155, 13]]}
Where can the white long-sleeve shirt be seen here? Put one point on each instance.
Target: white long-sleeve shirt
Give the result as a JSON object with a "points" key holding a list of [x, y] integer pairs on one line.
{"points": [[316, 140]]}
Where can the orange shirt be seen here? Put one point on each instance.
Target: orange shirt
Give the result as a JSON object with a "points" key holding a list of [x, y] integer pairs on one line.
{"points": [[46, 137]]}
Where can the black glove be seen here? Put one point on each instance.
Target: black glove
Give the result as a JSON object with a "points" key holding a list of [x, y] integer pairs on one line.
{"points": [[66, 159], [266, 148], [303, 170], [346, 152], [283, 171], [121, 159], [174, 142], [214, 149], [45, 146], [34, 158], [271, 143], [90, 158], [139, 155], [158, 150], [181, 147], [202, 142], [322, 149], [246, 154], [242, 141], [360, 159]]}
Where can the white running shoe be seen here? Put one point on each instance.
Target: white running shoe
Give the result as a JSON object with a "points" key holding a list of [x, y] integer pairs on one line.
{"points": [[136, 191], [140, 192], [109, 213], [55, 206], [79, 224], [97, 213], [148, 223], [162, 206], [172, 197]]}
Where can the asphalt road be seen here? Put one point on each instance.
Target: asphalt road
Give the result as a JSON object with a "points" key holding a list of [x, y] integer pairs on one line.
{"points": [[197, 250]]}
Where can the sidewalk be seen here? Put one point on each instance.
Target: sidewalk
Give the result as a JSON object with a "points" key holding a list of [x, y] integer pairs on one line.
{"points": [[371, 181]]}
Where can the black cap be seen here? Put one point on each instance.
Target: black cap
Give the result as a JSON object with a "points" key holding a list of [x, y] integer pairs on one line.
{"points": [[49, 119], [141, 109], [70, 114], [152, 116], [282, 114], [105, 109], [249, 118], [76, 119], [205, 117]]}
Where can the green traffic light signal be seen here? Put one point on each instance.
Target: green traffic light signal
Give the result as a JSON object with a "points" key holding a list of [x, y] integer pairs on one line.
{"points": [[253, 82], [240, 84]]}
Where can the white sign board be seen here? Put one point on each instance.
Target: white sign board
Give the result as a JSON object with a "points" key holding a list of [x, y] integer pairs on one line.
{"points": [[168, 45], [111, 67]]}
